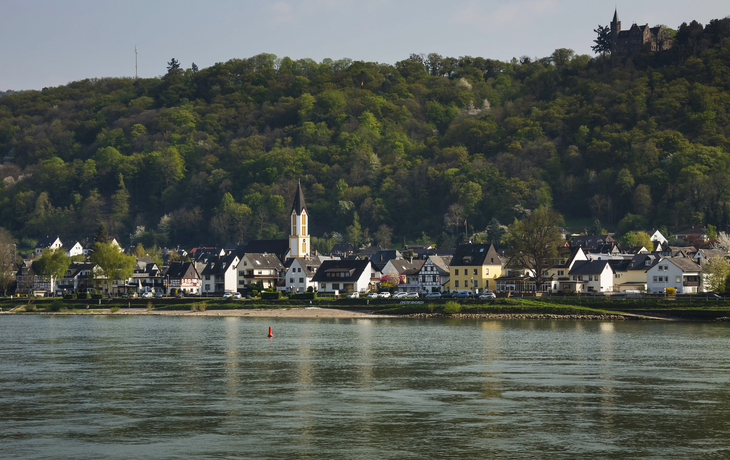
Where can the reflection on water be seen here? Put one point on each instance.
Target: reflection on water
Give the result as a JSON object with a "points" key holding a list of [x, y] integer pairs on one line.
{"points": [[156, 387]]}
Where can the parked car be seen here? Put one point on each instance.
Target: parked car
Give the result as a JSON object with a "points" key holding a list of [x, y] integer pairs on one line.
{"points": [[180, 296], [354, 295], [159, 294], [412, 295], [373, 295], [227, 295], [236, 295], [712, 296], [384, 295], [399, 295], [147, 295], [433, 295], [463, 295], [488, 295]]}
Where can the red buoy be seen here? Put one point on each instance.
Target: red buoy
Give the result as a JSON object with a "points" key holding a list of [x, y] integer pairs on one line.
{"points": [[271, 334]]}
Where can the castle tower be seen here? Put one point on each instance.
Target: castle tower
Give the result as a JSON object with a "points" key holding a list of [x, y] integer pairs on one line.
{"points": [[299, 237], [615, 29]]}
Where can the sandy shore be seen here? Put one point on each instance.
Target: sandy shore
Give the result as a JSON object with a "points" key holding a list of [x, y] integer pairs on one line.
{"points": [[309, 312]]}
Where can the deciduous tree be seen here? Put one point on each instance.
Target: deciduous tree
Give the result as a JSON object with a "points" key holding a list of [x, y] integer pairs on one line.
{"points": [[533, 242]]}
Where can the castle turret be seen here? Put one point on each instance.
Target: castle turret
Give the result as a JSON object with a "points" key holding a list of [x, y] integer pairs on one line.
{"points": [[615, 29], [299, 237]]}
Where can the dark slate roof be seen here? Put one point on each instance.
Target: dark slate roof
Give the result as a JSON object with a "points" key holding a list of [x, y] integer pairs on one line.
{"points": [[588, 267], [278, 247], [353, 270], [638, 262], [475, 255], [310, 265], [299, 205], [686, 265], [219, 265], [402, 265], [181, 270], [342, 248], [264, 260], [591, 240], [46, 242]]}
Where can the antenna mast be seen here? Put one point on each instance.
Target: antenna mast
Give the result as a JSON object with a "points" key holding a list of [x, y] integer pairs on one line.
{"points": [[135, 62]]}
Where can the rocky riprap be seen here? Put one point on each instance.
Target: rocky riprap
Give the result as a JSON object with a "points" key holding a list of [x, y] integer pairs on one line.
{"points": [[518, 316]]}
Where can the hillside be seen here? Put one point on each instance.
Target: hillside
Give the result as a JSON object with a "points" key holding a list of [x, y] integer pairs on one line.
{"points": [[411, 150]]}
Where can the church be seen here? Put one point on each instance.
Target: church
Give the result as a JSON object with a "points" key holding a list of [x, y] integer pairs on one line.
{"points": [[637, 38]]}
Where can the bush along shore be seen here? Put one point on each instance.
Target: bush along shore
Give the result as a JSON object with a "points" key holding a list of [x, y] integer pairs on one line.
{"points": [[506, 309]]}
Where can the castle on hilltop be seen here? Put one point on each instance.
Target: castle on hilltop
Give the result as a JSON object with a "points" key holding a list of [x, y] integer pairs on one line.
{"points": [[637, 38]]}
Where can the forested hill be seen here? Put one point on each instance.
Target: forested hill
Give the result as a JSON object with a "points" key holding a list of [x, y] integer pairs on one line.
{"points": [[407, 150]]}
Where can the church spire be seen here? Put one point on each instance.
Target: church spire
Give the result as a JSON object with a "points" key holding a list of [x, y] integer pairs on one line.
{"points": [[299, 205]]}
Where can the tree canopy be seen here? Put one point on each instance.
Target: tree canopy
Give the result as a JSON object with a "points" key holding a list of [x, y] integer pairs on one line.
{"points": [[418, 147]]}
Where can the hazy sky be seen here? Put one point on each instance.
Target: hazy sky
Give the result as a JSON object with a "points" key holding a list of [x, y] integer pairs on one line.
{"points": [[53, 42]]}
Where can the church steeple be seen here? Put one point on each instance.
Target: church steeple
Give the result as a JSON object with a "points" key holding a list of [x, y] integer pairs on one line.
{"points": [[299, 237], [615, 29]]}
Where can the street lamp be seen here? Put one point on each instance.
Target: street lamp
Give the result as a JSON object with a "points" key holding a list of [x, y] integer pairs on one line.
{"points": [[664, 269]]}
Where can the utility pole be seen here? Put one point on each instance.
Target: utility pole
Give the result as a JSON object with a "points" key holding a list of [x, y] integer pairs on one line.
{"points": [[135, 62]]}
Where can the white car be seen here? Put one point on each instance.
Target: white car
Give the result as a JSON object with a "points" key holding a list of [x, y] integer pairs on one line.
{"points": [[373, 295], [433, 295], [412, 295], [399, 295], [227, 295], [147, 295], [236, 295], [384, 295], [488, 295], [354, 295]]}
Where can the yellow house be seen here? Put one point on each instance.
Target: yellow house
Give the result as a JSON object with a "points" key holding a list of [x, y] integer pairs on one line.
{"points": [[474, 266], [631, 275]]}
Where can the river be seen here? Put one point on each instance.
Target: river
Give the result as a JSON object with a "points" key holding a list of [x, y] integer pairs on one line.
{"points": [[152, 387]]}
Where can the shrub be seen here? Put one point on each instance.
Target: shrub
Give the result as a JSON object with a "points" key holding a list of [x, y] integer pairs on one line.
{"points": [[254, 293], [149, 306], [199, 306], [96, 296], [271, 295], [452, 307], [56, 305], [69, 296], [304, 296], [114, 309], [83, 296], [30, 308], [671, 291]]}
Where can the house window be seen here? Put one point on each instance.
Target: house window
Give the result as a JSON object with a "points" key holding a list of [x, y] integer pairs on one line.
{"points": [[679, 280], [456, 283], [476, 273], [456, 272], [323, 286], [301, 280], [207, 277], [207, 287], [291, 280], [655, 280], [240, 272], [561, 272], [476, 283], [486, 271], [335, 286]]}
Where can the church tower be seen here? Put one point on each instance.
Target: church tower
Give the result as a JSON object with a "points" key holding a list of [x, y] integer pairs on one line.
{"points": [[615, 29], [299, 237]]}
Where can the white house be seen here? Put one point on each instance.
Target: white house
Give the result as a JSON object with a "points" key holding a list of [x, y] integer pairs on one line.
{"points": [[75, 250], [259, 267], [343, 276], [590, 276], [299, 275], [682, 274], [49, 242], [219, 275], [434, 273]]}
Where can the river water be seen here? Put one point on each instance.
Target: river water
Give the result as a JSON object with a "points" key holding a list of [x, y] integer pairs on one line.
{"points": [[118, 387]]}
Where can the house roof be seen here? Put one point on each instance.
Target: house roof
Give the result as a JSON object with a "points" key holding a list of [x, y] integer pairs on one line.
{"points": [[402, 265], [591, 241], [684, 264], [352, 270], [638, 262], [589, 267], [441, 263], [310, 265], [342, 248], [475, 255], [46, 242], [181, 270], [264, 261], [220, 265]]}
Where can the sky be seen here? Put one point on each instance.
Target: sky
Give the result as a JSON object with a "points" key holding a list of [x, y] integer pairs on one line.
{"points": [[46, 43]]}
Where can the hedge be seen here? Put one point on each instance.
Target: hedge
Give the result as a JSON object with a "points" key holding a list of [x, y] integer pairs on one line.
{"points": [[304, 296], [271, 295]]}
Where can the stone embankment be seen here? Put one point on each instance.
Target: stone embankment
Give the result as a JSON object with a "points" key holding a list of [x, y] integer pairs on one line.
{"points": [[507, 316]]}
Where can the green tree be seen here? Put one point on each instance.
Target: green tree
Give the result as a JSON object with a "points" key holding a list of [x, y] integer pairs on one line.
{"points": [[110, 264], [717, 270], [603, 40], [637, 239], [52, 264], [8, 259], [533, 242]]}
